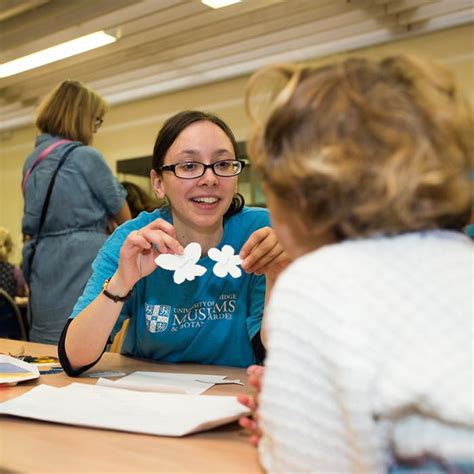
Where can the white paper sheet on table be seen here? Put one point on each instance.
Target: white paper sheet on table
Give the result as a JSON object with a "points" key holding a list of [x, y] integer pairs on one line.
{"points": [[191, 384], [162, 414]]}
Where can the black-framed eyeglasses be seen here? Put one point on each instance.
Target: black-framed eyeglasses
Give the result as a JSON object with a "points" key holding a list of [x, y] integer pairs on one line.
{"points": [[98, 122], [195, 169]]}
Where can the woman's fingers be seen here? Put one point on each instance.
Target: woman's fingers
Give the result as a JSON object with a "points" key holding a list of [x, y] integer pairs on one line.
{"points": [[262, 251], [163, 242], [248, 401], [256, 381], [252, 369], [252, 426], [256, 373], [163, 235], [136, 241], [264, 261], [161, 224], [256, 239], [255, 439], [261, 256], [247, 423], [159, 234]]}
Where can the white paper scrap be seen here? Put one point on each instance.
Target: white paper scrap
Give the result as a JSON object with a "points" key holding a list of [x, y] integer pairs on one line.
{"points": [[191, 384], [226, 262], [185, 266], [224, 382], [124, 410]]}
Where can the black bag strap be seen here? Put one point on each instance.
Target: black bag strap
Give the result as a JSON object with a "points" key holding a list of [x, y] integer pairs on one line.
{"points": [[47, 200], [44, 211]]}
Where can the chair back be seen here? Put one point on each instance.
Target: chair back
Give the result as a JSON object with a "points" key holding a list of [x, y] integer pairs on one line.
{"points": [[11, 322], [119, 337]]}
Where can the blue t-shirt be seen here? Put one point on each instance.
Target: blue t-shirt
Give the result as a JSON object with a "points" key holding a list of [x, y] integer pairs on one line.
{"points": [[209, 320]]}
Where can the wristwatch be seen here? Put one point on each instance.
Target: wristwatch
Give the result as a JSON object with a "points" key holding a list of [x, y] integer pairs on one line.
{"points": [[115, 298]]}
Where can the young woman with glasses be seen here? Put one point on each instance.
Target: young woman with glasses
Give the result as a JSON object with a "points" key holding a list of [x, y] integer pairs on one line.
{"points": [[210, 319], [85, 196]]}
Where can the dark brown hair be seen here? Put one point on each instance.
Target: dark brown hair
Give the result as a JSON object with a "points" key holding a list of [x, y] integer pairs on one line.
{"points": [[174, 126]]}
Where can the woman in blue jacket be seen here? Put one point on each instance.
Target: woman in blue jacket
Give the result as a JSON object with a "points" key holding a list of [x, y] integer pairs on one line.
{"points": [[57, 255]]}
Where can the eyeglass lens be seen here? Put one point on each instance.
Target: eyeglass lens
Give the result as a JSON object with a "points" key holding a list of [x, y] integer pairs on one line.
{"points": [[194, 169]]}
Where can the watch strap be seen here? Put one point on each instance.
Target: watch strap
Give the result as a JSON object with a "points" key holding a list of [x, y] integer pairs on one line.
{"points": [[114, 298]]}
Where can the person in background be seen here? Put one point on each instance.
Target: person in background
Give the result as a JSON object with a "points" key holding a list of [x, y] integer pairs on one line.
{"points": [[365, 167], [138, 199], [84, 195], [209, 318], [11, 277]]}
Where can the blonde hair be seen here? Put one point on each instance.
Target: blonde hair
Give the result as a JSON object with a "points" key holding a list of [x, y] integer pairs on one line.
{"points": [[365, 147], [6, 244], [70, 110]]}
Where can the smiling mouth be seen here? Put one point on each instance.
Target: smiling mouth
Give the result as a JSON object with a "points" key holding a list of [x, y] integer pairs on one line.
{"points": [[205, 200]]}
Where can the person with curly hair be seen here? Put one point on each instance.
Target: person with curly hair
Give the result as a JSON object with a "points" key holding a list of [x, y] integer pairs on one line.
{"points": [[365, 166]]}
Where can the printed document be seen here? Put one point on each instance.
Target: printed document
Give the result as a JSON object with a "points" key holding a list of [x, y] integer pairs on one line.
{"points": [[162, 414]]}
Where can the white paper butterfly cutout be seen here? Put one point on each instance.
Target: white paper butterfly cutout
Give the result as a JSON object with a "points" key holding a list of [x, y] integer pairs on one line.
{"points": [[184, 266], [226, 262]]}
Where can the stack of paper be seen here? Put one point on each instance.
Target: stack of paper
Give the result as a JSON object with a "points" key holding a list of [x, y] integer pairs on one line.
{"points": [[125, 410], [191, 384]]}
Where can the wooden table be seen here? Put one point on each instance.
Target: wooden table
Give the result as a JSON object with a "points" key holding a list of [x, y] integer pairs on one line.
{"points": [[36, 446]]}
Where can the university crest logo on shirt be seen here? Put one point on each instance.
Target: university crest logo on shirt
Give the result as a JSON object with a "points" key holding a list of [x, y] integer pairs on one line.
{"points": [[157, 317]]}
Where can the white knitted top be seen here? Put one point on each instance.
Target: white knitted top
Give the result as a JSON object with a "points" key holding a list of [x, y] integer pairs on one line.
{"points": [[370, 351]]}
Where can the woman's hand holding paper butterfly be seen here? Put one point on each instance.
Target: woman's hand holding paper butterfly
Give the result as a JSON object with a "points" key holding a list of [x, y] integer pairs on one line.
{"points": [[141, 247]]}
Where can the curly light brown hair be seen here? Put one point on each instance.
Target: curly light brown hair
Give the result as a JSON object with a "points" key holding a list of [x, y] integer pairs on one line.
{"points": [[365, 147]]}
